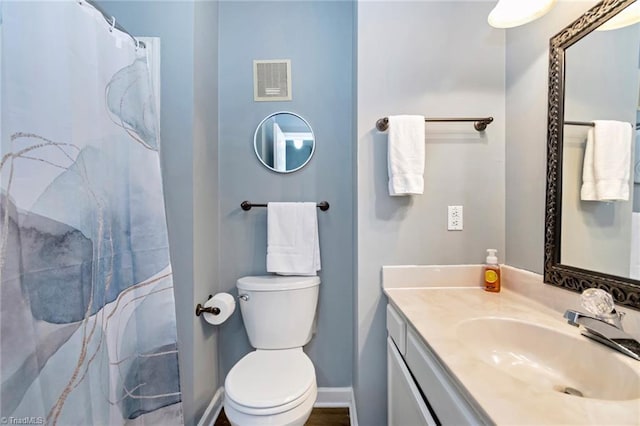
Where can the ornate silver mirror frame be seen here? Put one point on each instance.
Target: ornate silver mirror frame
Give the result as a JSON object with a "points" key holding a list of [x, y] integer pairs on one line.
{"points": [[625, 291]]}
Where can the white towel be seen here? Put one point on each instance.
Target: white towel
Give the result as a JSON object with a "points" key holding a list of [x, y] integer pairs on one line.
{"points": [[607, 162], [406, 154], [635, 246], [293, 246], [637, 166]]}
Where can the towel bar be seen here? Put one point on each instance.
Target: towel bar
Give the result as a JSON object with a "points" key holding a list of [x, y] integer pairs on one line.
{"points": [[479, 124], [589, 123], [246, 205], [579, 123]]}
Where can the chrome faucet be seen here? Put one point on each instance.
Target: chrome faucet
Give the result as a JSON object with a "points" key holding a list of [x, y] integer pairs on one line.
{"points": [[614, 318], [604, 323], [606, 329]]}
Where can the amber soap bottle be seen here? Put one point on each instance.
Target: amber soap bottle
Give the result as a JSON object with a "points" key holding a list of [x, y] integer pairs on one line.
{"points": [[492, 272]]}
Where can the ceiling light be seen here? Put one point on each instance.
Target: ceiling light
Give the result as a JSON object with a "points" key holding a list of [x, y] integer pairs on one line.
{"points": [[511, 13], [628, 16]]}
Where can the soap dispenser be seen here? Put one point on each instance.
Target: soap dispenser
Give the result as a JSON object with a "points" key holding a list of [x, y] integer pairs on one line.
{"points": [[492, 272]]}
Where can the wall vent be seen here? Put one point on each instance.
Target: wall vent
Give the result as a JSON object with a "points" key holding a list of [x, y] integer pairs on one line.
{"points": [[272, 80]]}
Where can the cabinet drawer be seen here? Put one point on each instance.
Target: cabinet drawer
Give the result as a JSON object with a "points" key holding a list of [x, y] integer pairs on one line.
{"points": [[404, 402], [444, 397], [397, 329]]}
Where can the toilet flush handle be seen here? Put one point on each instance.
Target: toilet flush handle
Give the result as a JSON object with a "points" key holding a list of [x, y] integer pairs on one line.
{"points": [[244, 297]]}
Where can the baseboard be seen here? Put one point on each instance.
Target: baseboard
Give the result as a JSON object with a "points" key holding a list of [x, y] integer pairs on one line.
{"points": [[213, 410], [353, 414], [338, 397], [327, 397], [333, 397]]}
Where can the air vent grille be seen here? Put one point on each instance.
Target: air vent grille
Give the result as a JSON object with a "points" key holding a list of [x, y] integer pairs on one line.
{"points": [[272, 80]]}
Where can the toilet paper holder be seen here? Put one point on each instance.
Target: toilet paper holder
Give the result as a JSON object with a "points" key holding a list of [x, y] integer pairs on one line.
{"points": [[210, 310]]}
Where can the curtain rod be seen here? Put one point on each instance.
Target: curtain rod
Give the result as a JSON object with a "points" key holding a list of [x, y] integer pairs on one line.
{"points": [[111, 20], [478, 123]]}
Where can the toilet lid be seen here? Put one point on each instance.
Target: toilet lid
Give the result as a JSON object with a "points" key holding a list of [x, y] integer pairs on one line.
{"points": [[270, 378]]}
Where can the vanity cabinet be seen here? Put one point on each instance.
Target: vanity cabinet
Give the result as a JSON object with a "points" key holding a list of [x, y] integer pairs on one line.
{"points": [[405, 405], [420, 391]]}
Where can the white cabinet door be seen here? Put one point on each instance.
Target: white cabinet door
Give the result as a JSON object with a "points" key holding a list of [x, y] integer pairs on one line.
{"points": [[397, 329], [445, 397], [405, 404]]}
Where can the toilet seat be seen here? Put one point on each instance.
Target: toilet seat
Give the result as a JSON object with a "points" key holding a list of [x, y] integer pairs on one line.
{"points": [[267, 382]]}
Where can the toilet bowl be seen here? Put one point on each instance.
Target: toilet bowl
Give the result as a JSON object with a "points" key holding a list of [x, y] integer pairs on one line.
{"points": [[271, 387], [275, 384]]}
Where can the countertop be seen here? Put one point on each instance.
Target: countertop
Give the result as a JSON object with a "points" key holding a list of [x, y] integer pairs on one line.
{"points": [[435, 312]]}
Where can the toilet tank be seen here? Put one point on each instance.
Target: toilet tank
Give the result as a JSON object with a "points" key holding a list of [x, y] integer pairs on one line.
{"points": [[278, 311]]}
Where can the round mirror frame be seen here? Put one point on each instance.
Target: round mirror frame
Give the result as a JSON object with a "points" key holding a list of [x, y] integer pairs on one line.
{"points": [[255, 142]]}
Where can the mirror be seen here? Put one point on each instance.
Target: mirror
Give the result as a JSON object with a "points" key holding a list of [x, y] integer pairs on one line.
{"points": [[284, 142], [593, 75]]}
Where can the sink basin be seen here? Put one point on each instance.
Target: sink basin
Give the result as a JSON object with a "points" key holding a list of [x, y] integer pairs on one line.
{"points": [[549, 359]]}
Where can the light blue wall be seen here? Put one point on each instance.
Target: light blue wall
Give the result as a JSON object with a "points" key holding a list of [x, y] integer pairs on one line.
{"points": [[596, 235], [188, 32], [527, 68], [318, 38], [439, 59], [206, 377]]}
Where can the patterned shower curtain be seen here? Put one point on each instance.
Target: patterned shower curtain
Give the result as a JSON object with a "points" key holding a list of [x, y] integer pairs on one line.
{"points": [[87, 315]]}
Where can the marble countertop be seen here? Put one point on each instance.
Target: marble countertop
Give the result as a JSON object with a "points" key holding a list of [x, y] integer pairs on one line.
{"points": [[435, 314]]}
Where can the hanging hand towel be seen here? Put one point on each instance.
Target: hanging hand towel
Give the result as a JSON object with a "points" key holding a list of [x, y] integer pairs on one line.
{"points": [[637, 166], [635, 246], [406, 154], [293, 246], [607, 162]]}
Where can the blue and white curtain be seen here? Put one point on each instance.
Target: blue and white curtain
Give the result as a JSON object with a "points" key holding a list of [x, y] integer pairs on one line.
{"points": [[87, 315]]}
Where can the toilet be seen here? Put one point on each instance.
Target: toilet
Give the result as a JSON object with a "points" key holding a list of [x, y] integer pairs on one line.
{"points": [[274, 385]]}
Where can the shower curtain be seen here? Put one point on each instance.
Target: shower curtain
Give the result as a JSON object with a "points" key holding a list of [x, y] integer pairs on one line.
{"points": [[87, 315]]}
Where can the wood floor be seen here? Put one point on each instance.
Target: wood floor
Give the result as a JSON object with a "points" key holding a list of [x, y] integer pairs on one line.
{"points": [[319, 417]]}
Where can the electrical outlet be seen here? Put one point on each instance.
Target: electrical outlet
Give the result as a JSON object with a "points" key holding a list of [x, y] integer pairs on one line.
{"points": [[454, 218]]}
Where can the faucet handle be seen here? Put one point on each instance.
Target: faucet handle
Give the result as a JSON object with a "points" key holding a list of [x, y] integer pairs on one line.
{"points": [[597, 302], [600, 304]]}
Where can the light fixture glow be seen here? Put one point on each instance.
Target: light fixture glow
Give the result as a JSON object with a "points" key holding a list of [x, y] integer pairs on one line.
{"points": [[629, 16], [298, 143], [511, 13]]}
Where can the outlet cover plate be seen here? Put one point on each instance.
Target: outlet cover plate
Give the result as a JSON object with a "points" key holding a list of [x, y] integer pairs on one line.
{"points": [[454, 218]]}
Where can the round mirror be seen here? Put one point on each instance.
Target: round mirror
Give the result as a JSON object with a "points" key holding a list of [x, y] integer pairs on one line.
{"points": [[284, 142]]}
